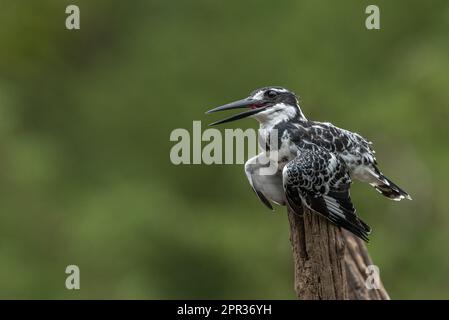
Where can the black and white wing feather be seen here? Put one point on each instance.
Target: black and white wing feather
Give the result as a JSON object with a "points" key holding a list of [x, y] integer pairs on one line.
{"points": [[320, 180]]}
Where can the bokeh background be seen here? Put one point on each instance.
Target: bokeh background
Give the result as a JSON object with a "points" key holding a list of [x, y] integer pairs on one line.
{"points": [[85, 120]]}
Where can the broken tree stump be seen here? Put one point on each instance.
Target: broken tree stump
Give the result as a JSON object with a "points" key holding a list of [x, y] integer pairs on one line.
{"points": [[329, 263]]}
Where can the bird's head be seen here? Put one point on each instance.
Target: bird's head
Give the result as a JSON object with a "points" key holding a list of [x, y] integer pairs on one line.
{"points": [[269, 104]]}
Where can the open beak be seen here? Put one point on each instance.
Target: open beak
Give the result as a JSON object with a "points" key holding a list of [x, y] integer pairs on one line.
{"points": [[255, 106]]}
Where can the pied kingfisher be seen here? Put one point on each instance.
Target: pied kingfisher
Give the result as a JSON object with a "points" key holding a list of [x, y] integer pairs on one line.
{"points": [[315, 161]]}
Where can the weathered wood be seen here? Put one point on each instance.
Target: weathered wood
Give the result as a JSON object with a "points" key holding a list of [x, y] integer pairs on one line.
{"points": [[329, 263]]}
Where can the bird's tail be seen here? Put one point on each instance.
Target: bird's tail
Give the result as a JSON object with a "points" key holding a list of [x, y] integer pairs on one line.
{"points": [[389, 189]]}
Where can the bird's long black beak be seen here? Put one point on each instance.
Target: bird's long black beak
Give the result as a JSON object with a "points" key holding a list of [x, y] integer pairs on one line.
{"points": [[255, 106]]}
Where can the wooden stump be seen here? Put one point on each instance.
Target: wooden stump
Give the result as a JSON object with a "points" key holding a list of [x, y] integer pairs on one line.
{"points": [[329, 263]]}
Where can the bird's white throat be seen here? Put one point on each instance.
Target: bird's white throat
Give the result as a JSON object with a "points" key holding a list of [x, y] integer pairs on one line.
{"points": [[278, 113], [271, 117]]}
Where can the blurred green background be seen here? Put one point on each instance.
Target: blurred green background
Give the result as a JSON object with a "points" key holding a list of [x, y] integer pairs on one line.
{"points": [[85, 120]]}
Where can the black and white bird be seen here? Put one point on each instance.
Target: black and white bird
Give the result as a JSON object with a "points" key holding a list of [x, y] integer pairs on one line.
{"points": [[315, 161]]}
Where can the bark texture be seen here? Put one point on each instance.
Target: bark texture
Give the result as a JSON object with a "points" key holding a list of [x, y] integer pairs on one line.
{"points": [[329, 263]]}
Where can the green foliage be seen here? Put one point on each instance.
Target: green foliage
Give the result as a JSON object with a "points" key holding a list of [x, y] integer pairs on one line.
{"points": [[85, 119]]}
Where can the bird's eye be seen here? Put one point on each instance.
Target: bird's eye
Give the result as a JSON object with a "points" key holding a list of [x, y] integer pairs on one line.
{"points": [[271, 94]]}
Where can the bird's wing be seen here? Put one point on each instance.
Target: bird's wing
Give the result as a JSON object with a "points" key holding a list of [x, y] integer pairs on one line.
{"points": [[320, 180], [267, 185], [335, 139]]}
